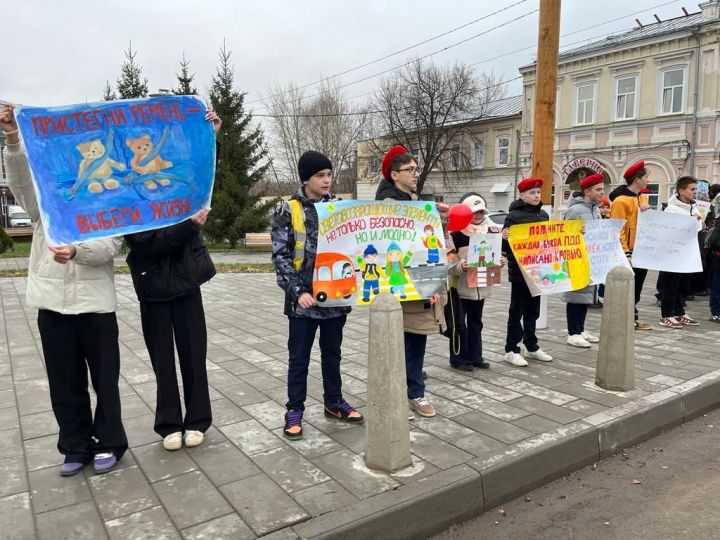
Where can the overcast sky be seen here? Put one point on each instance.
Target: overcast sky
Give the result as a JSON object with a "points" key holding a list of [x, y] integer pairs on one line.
{"points": [[57, 53]]}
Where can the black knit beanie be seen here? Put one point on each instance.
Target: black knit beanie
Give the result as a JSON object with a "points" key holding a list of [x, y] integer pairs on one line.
{"points": [[312, 162]]}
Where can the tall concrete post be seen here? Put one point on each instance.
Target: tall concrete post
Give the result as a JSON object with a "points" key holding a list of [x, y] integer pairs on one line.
{"points": [[387, 440], [616, 351]]}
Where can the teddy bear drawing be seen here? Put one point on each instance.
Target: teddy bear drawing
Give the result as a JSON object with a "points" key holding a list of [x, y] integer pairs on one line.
{"points": [[142, 148], [101, 175]]}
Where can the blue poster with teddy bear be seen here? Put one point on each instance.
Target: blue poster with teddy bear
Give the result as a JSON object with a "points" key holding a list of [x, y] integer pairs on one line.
{"points": [[118, 167]]}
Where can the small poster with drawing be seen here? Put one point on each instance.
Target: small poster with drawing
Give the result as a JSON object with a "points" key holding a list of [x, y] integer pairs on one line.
{"points": [[483, 260]]}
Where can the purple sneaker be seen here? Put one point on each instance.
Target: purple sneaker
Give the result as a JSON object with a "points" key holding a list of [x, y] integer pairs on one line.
{"points": [[104, 462], [71, 468]]}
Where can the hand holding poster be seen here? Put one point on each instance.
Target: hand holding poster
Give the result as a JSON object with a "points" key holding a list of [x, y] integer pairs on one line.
{"points": [[118, 167], [368, 247], [605, 252], [551, 255], [483, 259], [667, 242]]}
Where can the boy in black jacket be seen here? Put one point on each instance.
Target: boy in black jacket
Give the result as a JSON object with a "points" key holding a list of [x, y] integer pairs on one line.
{"points": [[523, 306]]}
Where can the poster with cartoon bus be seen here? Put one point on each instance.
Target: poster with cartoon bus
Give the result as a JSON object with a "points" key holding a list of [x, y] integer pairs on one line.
{"points": [[118, 167], [551, 255], [368, 247]]}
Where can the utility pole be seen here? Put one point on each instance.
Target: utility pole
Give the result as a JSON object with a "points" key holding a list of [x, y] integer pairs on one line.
{"points": [[545, 94]]}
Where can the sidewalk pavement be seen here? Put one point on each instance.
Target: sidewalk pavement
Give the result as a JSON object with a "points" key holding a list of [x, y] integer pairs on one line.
{"points": [[498, 433]]}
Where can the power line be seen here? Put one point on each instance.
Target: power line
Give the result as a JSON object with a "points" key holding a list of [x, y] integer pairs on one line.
{"points": [[472, 65], [419, 58], [365, 113], [366, 64]]}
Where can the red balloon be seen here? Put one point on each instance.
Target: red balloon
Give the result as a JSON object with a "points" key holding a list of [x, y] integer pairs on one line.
{"points": [[459, 217]]}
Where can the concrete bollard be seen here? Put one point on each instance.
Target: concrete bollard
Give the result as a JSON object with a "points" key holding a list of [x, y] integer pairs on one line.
{"points": [[616, 351], [387, 438]]}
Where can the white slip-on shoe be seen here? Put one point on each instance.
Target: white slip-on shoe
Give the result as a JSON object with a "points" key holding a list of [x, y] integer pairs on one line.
{"points": [[577, 340], [173, 441], [515, 359], [590, 338], [193, 438], [539, 355]]}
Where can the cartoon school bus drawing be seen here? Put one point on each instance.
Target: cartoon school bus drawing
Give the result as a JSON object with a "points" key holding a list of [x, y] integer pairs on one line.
{"points": [[334, 277]]}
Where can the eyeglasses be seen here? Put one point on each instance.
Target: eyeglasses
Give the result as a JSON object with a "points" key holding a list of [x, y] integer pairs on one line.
{"points": [[411, 170]]}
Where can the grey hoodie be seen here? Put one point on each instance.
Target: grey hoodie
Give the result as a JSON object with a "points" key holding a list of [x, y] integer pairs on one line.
{"points": [[579, 208]]}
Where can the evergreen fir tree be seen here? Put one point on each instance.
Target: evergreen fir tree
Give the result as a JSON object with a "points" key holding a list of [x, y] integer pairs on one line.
{"points": [[241, 150], [131, 83], [185, 86], [109, 93]]}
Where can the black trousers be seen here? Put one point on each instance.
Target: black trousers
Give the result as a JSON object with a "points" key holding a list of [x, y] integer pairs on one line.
{"points": [[576, 314], [183, 318], [300, 342], [469, 336], [72, 346], [675, 290], [522, 318], [640, 275], [415, 345]]}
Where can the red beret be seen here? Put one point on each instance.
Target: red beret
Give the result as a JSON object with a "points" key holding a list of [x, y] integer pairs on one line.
{"points": [[391, 154], [633, 169], [529, 183], [590, 181]]}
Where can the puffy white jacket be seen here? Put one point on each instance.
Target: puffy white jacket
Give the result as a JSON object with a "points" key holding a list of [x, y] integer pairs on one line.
{"points": [[676, 206], [86, 284]]}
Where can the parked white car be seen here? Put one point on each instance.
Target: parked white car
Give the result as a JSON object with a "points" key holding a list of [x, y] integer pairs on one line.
{"points": [[18, 217]]}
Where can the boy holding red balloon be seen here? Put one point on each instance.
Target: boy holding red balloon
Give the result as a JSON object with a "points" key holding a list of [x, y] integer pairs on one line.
{"points": [[524, 308]]}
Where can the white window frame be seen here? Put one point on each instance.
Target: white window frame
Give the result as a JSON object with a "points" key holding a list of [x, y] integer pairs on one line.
{"points": [[497, 150], [593, 112], [455, 157], [661, 88], [616, 96], [478, 143]]}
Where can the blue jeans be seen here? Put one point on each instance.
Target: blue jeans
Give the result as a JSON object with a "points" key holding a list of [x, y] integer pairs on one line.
{"points": [[715, 294], [368, 286], [433, 255], [414, 359], [300, 342]]}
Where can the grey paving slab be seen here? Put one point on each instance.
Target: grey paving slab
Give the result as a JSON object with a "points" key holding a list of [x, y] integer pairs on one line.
{"points": [[50, 491], [150, 524], [14, 476], [76, 522], [229, 527], [495, 428], [262, 504], [325, 497], [289, 469], [223, 463], [349, 470], [15, 509], [191, 499], [122, 492], [159, 464]]}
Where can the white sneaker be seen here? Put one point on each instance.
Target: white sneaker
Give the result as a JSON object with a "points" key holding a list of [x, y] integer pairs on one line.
{"points": [[590, 338], [411, 415], [193, 438], [173, 441], [515, 359], [538, 355], [577, 340]]}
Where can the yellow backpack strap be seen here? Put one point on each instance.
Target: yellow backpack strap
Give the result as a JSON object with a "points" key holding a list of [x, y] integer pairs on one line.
{"points": [[297, 218]]}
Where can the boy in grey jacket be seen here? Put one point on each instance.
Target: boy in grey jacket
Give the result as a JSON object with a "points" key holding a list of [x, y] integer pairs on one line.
{"points": [[584, 204], [73, 289]]}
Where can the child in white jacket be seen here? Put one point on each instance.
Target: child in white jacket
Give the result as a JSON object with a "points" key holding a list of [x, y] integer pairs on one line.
{"points": [[468, 302], [676, 286]]}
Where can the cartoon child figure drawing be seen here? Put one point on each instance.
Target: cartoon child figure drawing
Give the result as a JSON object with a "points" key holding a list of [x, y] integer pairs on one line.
{"points": [[370, 272], [432, 243], [395, 271]]}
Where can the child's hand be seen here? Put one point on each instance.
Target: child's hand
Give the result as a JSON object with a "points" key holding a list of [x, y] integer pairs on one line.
{"points": [[63, 254], [306, 301], [505, 234], [434, 299], [463, 265], [503, 261]]}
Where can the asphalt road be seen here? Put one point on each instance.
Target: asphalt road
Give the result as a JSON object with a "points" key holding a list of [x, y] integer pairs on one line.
{"points": [[665, 488]]}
